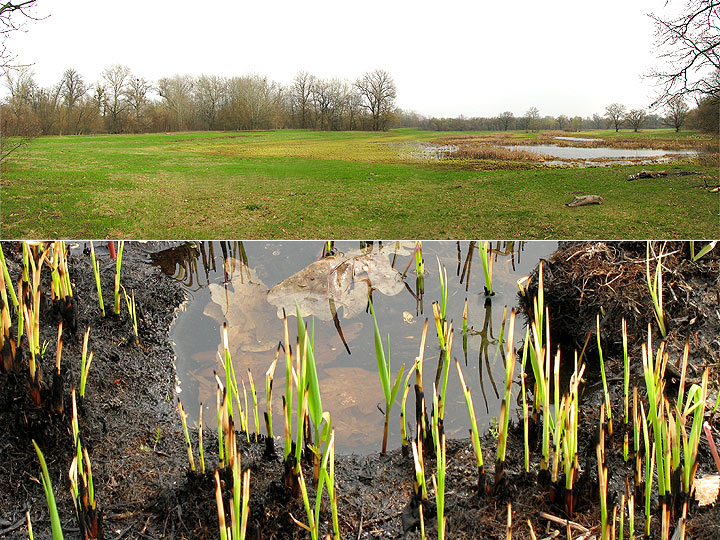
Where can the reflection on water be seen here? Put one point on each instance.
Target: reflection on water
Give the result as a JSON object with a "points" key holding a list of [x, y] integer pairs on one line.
{"points": [[230, 281], [614, 155]]}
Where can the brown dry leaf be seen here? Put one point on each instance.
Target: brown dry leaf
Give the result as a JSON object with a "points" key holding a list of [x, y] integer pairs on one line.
{"points": [[343, 279], [251, 325], [706, 489]]}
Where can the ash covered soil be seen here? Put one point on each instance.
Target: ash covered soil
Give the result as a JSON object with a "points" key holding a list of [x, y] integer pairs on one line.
{"points": [[130, 425]]}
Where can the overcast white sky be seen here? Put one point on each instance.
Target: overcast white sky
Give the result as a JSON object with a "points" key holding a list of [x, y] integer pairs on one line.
{"points": [[451, 57]]}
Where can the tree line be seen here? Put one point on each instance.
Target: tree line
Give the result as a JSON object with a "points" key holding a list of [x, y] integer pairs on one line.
{"points": [[675, 114], [122, 102]]}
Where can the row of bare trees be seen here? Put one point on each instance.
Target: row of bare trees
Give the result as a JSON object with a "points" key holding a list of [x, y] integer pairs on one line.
{"points": [[123, 102]]}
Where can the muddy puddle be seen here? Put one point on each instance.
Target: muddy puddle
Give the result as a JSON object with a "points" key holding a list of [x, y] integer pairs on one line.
{"points": [[247, 284]]}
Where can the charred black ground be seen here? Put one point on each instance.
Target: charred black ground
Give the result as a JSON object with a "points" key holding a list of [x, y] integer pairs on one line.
{"points": [[133, 434]]}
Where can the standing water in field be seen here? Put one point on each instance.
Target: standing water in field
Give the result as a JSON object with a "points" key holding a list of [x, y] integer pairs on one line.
{"points": [[247, 285]]}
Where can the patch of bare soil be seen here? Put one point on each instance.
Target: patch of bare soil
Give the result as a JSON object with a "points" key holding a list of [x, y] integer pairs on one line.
{"points": [[134, 438]]}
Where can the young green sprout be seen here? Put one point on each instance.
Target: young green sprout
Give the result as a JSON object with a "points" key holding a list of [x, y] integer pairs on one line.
{"points": [[118, 265], [96, 271], [403, 429], [200, 440], [7, 280], [704, 251], [57, 533], [313, 514], [526, 420], [383, 364], [602, 480], [255, 404], [608, 406], [188, 444], [505, 407], [439, 486], [486, 259], [132, 311], [655, 285], [85, 362], [474, 434], [420, 484], [626, 388], [649, 468]]}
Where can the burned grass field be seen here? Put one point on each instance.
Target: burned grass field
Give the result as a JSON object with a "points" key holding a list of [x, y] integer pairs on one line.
{"points": [[565, 469], [310, 184]]}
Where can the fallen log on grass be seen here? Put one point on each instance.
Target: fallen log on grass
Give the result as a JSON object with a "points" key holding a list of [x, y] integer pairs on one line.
{"points": [[647, 174], [585, 199]]}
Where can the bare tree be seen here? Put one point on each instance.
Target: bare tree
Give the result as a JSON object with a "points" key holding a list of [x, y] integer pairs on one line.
{"points": [[533, 118], [635, 118], [689, 46], [379, 93], [302, 87], [677, 111], [177, 93], [506, 120], [116, 78], [616, 114], [136, 92], [13, 16], [210, 95]]}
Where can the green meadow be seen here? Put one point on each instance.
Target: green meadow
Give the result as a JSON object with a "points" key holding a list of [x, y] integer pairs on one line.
{"points": [[309, 184]]}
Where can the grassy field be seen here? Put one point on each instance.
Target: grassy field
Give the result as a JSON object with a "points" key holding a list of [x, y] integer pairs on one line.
{"points": [[304, 184]]}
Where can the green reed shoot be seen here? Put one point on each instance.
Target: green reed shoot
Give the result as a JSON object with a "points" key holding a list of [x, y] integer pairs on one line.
{"points": [[403, 428], [602, 480], [655, 285], [118, 265], [505, 407], [653, 378], [486, 259], [419, 262], [526, 432], [85, 363], [420, 484], [220, 508], [439, 486], [76, 435], [96, 271], [245, 418], [188, 444], [220, 403], [8, 281], [608, 406], [309, 374], [313, 514], [255, 404], [626, 388], [704, 251], [695, 406], [132, 311], [631, 510], [288, 397], [29, 525], [383, 364], [200, 440], [649, 468], [268, 394], [474, 433], [57, 533], [446, 370]]}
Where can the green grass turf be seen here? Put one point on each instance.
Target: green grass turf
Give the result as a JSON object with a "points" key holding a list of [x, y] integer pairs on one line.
{"points": [[306, 184]]}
